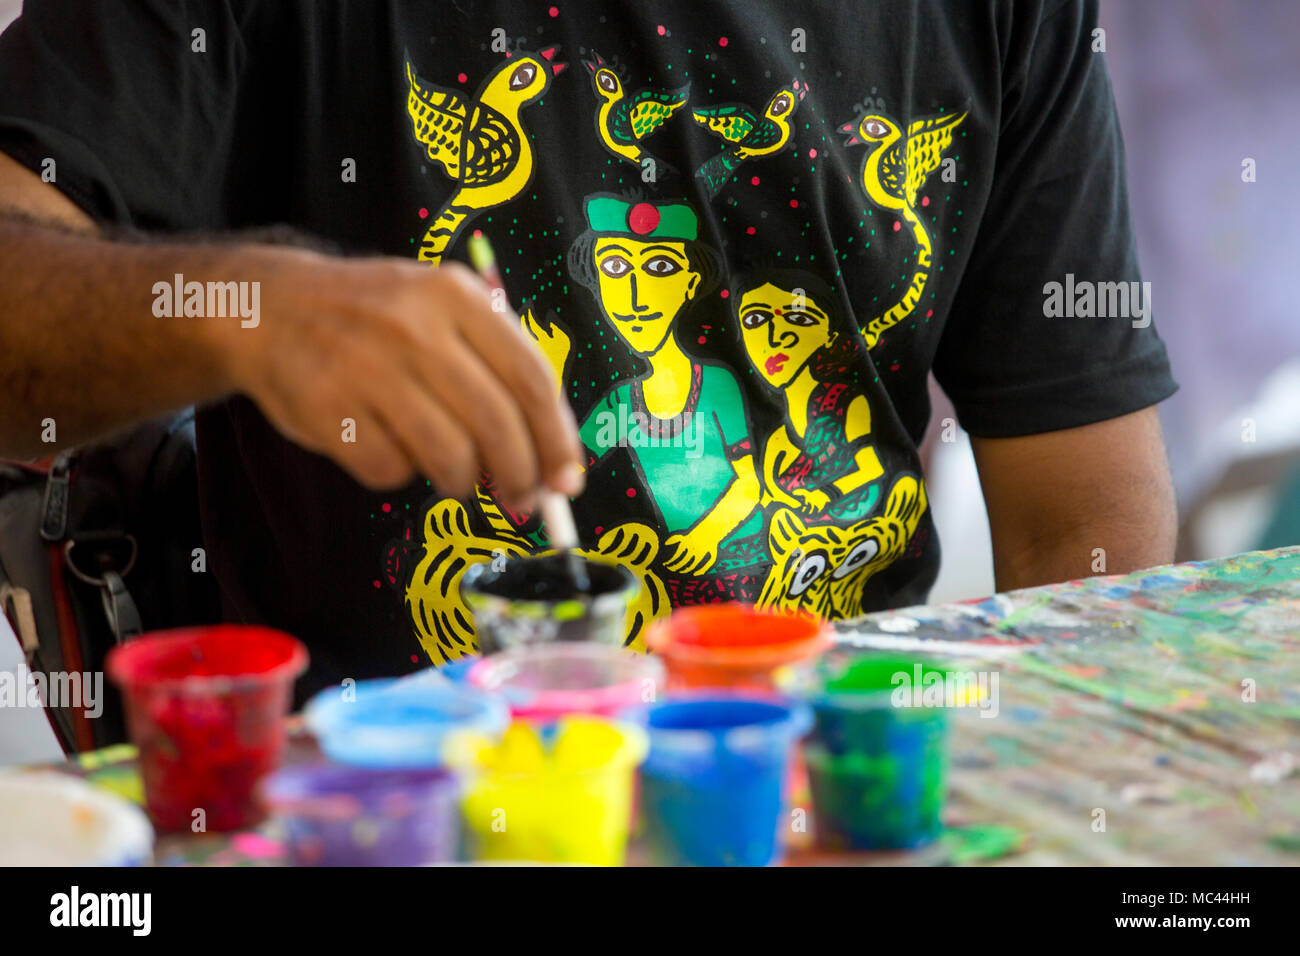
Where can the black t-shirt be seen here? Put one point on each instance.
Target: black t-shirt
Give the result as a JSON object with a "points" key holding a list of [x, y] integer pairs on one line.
{"points": [[744, 232]]}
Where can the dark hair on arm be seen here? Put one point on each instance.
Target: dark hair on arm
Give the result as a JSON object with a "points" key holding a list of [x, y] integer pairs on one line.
{"points": [[272, 235]]}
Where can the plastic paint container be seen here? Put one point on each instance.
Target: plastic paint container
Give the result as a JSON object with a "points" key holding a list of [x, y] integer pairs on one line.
{"points": [[534, 600], [428, 677], [48, 819], [399, 723], [876, 760], [543, 682], [711, 788], [336, 815], [456, 671], [732, 645], [559, 794], [206, 707]]}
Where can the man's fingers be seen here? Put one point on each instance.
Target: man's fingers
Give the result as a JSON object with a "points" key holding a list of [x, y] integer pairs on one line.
{"points": [[345, 432], [430, 436], [485, 410], [374, 457], [514, 357]]}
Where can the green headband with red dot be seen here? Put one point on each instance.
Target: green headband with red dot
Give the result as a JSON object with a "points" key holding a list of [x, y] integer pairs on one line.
{"points": [[643, 220]]}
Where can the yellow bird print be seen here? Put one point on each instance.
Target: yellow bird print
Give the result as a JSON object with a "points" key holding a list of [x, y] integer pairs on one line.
{"points": [[480, 143], [624, 121], [892, 174], [751, 136]]}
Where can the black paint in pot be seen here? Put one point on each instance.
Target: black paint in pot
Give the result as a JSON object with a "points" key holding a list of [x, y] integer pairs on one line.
{"points": [[534, 599]]}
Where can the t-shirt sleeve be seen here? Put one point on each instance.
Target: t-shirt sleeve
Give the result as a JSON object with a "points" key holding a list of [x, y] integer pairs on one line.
{"points": [[124, 106], [1058, 207]]}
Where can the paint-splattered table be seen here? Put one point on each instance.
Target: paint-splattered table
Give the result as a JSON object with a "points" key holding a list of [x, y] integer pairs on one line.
{"points": [[1147, 719]]}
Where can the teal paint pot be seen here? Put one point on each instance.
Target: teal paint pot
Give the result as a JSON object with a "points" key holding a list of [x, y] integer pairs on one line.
{"points": [[877, 754]]}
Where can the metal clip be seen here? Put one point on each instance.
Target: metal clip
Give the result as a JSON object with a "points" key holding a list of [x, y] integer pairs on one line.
{"points": [[54, 511]]}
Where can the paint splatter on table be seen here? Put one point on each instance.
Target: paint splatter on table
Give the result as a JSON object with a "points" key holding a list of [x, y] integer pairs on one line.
{"points": [[1149, 719], [1164, 705]]}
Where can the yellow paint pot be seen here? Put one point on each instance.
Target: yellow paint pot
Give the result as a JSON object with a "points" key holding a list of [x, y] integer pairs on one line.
{"points": [[562, 793]]}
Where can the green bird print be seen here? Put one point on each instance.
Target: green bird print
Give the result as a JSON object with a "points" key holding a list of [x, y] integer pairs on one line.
{"points": [[751, 136], [625, 120]]}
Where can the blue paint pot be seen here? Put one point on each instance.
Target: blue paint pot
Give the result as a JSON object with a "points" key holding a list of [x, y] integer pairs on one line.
{"points": [[712, 786], [440, 675], [399, 723], [458, 669]]}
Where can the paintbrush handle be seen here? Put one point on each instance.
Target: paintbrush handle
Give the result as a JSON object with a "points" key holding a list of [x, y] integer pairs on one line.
{"points": [[558, 516], [555, 507], [484, 261]]}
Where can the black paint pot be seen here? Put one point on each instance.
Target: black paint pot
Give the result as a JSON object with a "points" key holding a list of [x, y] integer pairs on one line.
{"points": [[535, 599]]}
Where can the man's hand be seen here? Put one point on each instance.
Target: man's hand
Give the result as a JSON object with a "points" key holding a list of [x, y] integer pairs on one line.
{"points": [[1078, 502], [437, 381]]}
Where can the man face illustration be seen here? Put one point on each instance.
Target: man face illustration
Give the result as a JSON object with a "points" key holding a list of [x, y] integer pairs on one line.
{"points": [[643, 287], [782, 329]]}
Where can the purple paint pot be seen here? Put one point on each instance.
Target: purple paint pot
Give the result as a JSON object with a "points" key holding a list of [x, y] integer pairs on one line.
{"points": [[337, 815]]}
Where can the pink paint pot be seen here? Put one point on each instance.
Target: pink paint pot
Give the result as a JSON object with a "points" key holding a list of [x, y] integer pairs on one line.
{"points": [[543, 682]]}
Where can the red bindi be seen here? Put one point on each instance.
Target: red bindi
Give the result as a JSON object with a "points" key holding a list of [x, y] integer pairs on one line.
{"points": [[643, 218]]}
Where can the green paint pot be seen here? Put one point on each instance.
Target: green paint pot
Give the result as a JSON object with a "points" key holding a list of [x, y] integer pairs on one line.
{"points": [[877, 756]]}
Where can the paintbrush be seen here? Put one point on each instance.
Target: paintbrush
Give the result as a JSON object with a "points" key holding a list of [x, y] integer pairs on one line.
{"points": [[564, 535], [556, 512]]}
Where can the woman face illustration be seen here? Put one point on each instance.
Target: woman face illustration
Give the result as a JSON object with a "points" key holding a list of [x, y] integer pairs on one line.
{"points": [[643, 288], [781, 329]]}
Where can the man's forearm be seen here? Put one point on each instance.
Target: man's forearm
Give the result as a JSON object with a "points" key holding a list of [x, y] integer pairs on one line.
{"points": [[80, 343], [386, 366], [1102, 546], [1078, 502]]}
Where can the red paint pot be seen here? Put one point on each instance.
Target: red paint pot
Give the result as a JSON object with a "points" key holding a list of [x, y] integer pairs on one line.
{"points": [[206, 707], [733, 646]]}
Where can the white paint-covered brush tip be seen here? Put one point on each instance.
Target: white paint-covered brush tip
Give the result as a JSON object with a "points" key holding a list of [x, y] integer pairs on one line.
{"points": [[559, 520]]}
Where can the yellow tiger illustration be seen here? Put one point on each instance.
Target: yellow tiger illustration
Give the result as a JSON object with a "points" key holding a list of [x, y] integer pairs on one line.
{"points": [[821, 569]]}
